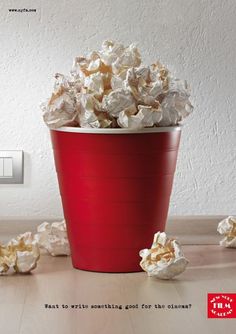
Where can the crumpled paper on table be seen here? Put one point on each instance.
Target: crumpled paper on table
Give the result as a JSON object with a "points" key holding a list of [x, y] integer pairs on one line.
{"points": [[53, 238], [19, 255], [112, 88], [165, 259], [227, 227]]}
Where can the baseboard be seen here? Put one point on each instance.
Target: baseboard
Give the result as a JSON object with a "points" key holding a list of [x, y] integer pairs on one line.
{"points": [[190, 230], [195, 230]]}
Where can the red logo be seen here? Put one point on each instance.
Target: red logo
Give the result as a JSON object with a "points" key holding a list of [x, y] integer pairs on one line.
{"points": [[221, 305]]}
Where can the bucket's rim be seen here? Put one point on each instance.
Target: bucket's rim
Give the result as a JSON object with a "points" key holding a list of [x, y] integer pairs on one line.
{"points": [[119, 131]]}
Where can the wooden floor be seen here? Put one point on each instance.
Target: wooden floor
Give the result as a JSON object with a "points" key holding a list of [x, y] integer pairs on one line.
{"points": [[23, 298]]}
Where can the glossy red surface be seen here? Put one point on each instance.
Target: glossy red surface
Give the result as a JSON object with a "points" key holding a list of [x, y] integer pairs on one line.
{"points": [[115, 190]]}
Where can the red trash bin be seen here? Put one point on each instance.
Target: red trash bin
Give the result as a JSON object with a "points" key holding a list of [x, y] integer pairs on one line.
{"points": [[115, 187]]}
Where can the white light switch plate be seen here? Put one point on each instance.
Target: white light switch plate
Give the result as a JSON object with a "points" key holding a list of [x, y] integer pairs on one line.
{"points": [[11, 167]]}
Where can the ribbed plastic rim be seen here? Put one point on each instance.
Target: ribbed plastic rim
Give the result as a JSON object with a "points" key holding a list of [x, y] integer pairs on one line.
{"points": [[118, 131]]}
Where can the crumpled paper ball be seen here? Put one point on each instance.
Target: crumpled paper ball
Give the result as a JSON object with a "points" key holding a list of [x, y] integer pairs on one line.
{"points": [[111, 88], [165, 259], [227, 227], [53, 238], [19, 255]]}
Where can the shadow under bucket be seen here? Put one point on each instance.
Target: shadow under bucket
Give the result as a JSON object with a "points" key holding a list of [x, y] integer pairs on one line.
{"points": [[115, 186]]}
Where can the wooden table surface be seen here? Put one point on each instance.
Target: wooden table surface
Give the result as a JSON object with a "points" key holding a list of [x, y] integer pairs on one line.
{"points": [[55, 282]]}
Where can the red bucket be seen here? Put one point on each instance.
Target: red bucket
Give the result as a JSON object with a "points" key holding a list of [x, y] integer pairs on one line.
{"points": [[115, 186]]}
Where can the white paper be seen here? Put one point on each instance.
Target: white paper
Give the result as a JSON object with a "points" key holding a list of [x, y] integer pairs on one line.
{"points": [[104, 85], [19, 255], [165, 259], [117, 101], [227, 227], [53, 238]]}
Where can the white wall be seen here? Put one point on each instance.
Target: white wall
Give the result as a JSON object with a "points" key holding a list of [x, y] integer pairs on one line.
{"points": [[196, 39]]}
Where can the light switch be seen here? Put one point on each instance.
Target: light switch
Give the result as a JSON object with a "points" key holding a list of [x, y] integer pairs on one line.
{"points": [[7, 167], [1, 167], [11, 166]]}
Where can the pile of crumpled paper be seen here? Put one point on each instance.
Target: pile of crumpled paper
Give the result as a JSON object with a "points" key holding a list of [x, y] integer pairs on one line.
{"points": [[111, 88], [21, 254]]}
